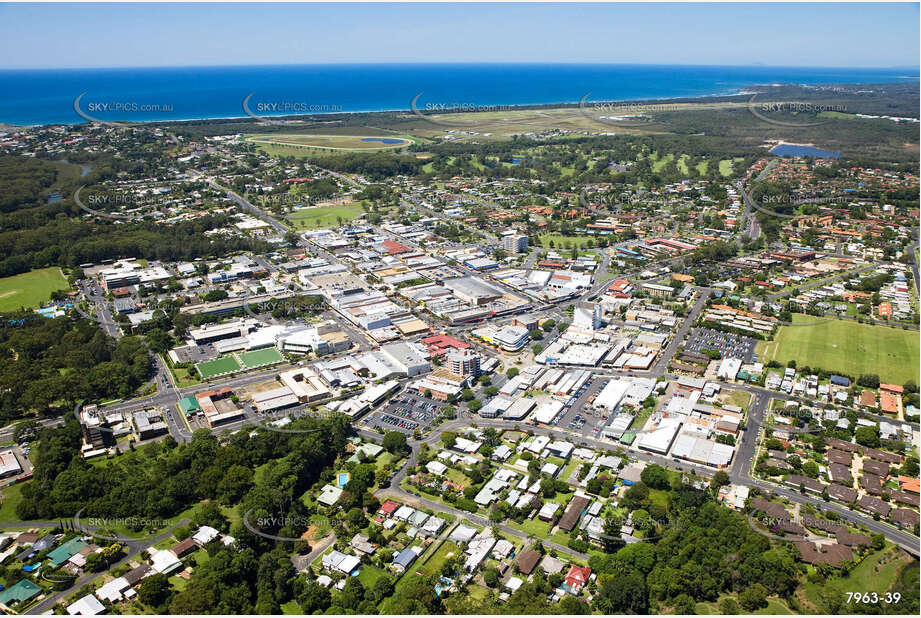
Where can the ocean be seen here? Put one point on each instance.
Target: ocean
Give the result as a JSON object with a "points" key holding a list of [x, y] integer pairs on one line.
{"points": [[184, 93]]}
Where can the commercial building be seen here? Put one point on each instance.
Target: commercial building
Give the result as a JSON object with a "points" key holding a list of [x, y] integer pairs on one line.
{"points": [[509, 338], [149, 424], [464, 363], [658, 291], [218, 407], [587, 316], [304, 384], [515, 243], [473, 291], [9, 465]]}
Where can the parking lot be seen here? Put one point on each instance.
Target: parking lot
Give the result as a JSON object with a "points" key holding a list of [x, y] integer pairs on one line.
{"points": [[406, 414], [578, 416], [728, 344]]}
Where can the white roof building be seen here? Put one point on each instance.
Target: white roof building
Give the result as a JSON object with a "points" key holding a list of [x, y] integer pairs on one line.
{"points": [[164, 561], [112, 591], [205, 535], [87, 606], [329, 495]]}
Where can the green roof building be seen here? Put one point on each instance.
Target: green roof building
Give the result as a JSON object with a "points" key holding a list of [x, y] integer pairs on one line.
{"points": [[23, 591], [63, 553], [189, 405]]}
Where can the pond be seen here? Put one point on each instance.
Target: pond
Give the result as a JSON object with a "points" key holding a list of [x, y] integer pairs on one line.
{"points": [[383, 140], [796, 150]]}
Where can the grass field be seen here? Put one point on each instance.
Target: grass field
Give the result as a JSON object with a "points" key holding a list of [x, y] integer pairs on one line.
{"points": [[875, 573], [848, 347], [326, 216], [564, 242], [9, 498], [30, 289], [333, 142], [260, 358], [433, 565], [220, 366]]}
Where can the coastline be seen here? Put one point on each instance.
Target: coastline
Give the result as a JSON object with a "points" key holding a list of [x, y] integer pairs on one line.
{"points": [[216, 100], [511, 107]]}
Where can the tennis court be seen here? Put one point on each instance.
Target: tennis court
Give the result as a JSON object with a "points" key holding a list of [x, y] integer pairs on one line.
{"points": [[260, 358], [219, 367]]}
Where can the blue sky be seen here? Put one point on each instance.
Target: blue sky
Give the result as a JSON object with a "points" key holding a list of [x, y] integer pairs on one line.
{"points": [[120, 35]]}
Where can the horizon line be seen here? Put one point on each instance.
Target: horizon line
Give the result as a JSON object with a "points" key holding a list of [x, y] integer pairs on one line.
{"points": [[460, 63]]}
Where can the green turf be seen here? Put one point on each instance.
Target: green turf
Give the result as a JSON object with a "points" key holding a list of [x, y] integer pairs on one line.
{"points": [[564, 242], [682, 164], [659, 164], [847, 347], [291, 608], [9, 498], [433, 565], [726, 167], [220, 366], [326, 216], [30, 289], [370, 574], [260, 358]]}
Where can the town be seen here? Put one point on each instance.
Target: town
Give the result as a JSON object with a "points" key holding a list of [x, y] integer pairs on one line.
{"points": [[427, 381]]}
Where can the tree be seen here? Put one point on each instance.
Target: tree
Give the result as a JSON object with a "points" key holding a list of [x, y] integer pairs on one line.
{"points": [[154, 590], [394, 442], [382, 589], [754, 597], [448, 438], [623, 594], [729, 607], [511, 373], [491, 577], [655, 476], [236, 482], [684, 604], [867, 436], [356, 518], [474, 405], [719, 479], [811, 469]]}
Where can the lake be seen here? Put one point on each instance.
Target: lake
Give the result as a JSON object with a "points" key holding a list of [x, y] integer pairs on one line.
{"points": [[795, 150]]}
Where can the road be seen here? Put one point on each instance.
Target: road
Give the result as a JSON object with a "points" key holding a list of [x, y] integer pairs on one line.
{"points": [[750, 226], [133, 549]]}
